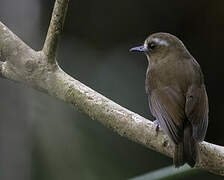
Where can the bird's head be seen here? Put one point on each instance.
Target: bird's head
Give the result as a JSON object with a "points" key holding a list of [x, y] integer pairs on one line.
{"points": [[161, 45]]}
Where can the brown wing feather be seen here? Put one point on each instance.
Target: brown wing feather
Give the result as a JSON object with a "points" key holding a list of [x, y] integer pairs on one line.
{"points": [[167, 105], [196, 110]]}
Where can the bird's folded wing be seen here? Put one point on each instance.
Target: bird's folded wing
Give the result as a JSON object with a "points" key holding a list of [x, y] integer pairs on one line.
{"points": [[196, 110], [167, 105]]}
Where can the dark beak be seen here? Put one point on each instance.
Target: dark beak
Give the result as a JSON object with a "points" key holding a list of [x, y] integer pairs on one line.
{"points": [[139, 48]]}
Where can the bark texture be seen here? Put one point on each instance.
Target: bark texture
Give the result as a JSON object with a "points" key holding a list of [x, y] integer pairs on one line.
{"points": [[40, 70]]}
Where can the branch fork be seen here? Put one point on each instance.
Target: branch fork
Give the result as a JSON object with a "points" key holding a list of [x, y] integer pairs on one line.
{"points": [[40, 70]]}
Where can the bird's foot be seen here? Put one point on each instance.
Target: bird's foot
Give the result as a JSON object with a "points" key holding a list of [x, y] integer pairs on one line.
{"points": [[156, 124]]}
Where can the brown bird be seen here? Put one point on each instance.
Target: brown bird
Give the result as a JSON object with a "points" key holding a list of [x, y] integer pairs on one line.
{"points": [[176, 94]]}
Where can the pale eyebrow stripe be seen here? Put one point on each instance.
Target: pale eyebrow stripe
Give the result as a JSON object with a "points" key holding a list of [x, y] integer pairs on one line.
{"points": [[161, 42]]}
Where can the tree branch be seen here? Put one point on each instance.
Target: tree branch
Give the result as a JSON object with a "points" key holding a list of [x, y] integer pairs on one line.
{"points": [[55, 29], [12, 48], [23, 64]]}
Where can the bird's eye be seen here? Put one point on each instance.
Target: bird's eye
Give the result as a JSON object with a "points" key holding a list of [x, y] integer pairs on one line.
{"points": [[151, 46]]}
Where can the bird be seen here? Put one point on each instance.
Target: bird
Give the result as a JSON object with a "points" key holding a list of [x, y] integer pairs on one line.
{"points": [[177, 94]]}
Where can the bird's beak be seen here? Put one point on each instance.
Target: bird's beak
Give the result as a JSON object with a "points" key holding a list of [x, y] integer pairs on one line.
{"points": [[139, 48]]}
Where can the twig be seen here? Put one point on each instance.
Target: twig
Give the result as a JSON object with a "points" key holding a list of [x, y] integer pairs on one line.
{"points": [[55, 29]]}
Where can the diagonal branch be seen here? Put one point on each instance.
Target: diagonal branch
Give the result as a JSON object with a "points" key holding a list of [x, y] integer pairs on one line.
{"points": [[55, 29], [40, 71], [12, 48], [127, 123]]}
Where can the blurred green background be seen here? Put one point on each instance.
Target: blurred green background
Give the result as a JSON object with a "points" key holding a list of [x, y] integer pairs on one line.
{"points": [[43, 138]]}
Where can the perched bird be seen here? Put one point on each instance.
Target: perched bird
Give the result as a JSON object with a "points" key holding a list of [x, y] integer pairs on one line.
{"points": [[176, 94]]}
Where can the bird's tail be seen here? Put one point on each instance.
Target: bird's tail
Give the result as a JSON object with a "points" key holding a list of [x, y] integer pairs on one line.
{"points": [[186, 151]]}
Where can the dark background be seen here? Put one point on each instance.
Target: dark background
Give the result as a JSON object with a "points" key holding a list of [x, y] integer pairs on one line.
{"points": [[43, 138]]}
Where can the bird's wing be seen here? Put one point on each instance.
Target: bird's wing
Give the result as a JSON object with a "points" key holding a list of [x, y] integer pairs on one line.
{"points": [[167, 105], [196, 110]]}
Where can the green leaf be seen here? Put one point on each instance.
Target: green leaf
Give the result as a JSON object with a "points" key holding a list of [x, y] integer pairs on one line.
{"points": [[166, 173]]}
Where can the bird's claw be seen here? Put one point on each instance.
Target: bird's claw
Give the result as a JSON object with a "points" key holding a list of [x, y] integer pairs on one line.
{"points": [[156, 124]]}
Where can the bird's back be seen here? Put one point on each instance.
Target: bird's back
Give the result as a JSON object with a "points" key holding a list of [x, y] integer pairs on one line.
{"points": [[180, 74], [178, 99]]}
